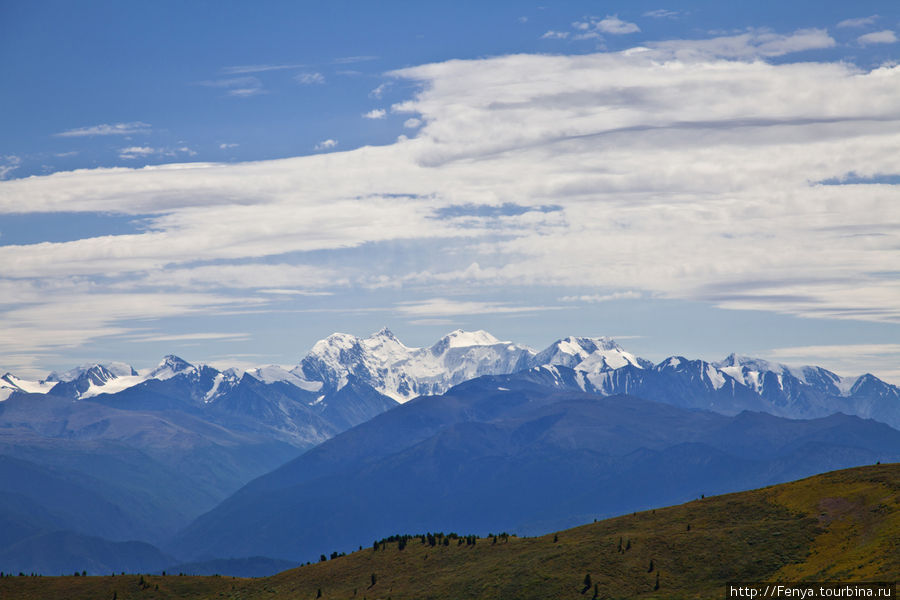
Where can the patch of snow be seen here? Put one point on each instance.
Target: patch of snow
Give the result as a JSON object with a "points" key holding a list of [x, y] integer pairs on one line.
{"points": [[31, 387], [715, 377], [274, 373], [113, 386], [170, 367]]}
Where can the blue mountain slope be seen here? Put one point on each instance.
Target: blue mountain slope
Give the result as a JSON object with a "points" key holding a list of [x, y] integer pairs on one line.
{"points": [[523, 453]]}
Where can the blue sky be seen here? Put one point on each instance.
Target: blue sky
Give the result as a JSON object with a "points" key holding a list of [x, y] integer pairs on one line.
{"points": [[693, 178]]}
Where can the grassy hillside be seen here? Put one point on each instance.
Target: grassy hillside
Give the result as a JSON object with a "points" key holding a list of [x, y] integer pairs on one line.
{"points": [[839, 526]]}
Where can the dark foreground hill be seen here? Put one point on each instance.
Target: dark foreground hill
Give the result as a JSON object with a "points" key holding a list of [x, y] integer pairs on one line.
{"points": [[518, 453], [840, 526]]}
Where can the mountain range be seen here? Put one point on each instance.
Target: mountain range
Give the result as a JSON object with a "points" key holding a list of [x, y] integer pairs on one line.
{"points": [[107, 454], [391, 369]]}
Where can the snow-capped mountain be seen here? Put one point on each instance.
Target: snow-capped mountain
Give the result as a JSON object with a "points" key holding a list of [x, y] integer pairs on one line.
{"points": [[400, 372], [346, 371], [10, 384], [591, 355]]}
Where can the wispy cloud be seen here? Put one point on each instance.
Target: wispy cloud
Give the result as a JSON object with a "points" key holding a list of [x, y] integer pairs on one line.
{"points": [[616, 26], [132, 128], [136, 151], [227, 145], [443, 307], [751, 44], [859, 21], [654, 161], [9, 164], [188, 337], [346, 60], [133, 152], [242, 69], [594, 298], [555, 35], [237, 86], [375, 113], [662, 13], [378, 92], [878, 37], [310, 78]]}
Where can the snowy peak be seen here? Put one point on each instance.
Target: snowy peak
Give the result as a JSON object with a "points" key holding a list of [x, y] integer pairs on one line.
{"points": [[105, 371], [170, 366], [383, 362], [869, 385], [591, 355], [463, 339]]}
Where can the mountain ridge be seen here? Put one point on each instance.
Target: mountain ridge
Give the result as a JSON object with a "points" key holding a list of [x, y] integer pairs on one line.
{"points": [[392, 369]]}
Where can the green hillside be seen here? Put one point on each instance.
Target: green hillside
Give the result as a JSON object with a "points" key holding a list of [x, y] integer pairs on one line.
{"points": [[839, 526]]}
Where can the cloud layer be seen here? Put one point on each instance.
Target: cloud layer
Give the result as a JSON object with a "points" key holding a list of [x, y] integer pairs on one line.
{"points": [[689, 169]]}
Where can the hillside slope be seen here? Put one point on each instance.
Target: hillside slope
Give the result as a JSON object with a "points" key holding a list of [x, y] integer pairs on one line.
{"points": [[516, 453], [839, 526]]}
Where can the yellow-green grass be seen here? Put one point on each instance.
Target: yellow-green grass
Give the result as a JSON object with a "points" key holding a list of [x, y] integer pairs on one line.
{"points": [[841, 526]]}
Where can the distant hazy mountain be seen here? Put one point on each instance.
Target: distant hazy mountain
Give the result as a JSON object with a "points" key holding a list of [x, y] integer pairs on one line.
{"points": [[145, 452], [383, 365], [528, 453]]}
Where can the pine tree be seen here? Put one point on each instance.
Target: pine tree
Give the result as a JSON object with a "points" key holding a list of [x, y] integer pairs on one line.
{"points": [[650, 570], [374, 579], [319, 593], [587, 583], [656, 585]]}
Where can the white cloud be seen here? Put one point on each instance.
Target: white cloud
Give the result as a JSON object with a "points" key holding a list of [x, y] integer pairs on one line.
{"points": [[346, 60], [226, 145], [310, 78], [326, 144], [412, 123], [104, 129], [133, 152], [9, 164], [522, 20], [375, 113], [859, 21], [66, 154], [616, 26], [593, 298], [662, 13], [380, 90], [241, 87], [443, 307], [188, 337], [878, 37], [246, 92], [755, 43], [136, 151], [555, 35], [241, 69], [671, 173]]}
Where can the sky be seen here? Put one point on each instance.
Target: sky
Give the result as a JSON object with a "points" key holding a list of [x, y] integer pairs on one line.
{"points": [[232, 181]]}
